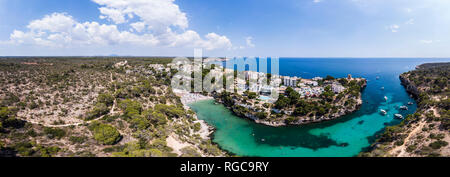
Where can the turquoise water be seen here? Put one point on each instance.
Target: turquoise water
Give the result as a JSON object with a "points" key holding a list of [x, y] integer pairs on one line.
{"points": [[344, 137]]}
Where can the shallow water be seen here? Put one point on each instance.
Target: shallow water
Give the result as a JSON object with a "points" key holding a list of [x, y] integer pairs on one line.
{"points": [[344, 137]]}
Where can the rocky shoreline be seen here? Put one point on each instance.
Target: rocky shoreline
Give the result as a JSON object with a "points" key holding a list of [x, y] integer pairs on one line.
{"points": [[410, 88], [282, 124], [407, 138], [303, 120]]}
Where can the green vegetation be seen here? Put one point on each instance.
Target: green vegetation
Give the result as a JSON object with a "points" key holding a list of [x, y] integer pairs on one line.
{"points": [[429, 85], [99, 110], [78, 139], [54, 133], [134, 99], [106, 99], [131, 108], [105, 134], [438, 144]]}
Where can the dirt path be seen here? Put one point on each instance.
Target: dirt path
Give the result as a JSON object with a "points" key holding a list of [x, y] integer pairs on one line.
{"points": [[76, 124], [115, 101], [402, 148]]}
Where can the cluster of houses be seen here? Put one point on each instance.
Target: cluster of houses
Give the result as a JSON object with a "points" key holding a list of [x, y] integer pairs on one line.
{"points": [[258, 82], [305, 87]]}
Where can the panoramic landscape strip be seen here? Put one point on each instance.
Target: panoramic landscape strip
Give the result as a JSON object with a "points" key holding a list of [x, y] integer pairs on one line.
{"points": [[224, 87], [126, 107]]}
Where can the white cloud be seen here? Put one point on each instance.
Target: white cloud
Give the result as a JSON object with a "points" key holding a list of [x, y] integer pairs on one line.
{"points": [[61, 30], [408, 10], [159, 14], [160, 23], [410, 22], [393, 28], [249, 41], [112, 14], [429, 41], [138, 26], [54, 22]]}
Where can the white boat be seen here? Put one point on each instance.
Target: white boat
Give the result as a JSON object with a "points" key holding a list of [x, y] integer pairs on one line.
{"points": [[404, 107], [410, 103], [398, 116], [385, 98], [382, 88], [378, 77], [384, 112]]}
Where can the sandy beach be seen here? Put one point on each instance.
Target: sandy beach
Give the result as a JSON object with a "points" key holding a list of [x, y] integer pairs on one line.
{"points": [[188, 98]]}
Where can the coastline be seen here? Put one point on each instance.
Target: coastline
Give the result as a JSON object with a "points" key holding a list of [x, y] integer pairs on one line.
{"points": [[206, 131], [404, 139], [281, 123]]}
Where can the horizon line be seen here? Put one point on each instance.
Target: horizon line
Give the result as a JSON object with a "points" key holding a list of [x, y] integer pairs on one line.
{"points": [[121, 56]]}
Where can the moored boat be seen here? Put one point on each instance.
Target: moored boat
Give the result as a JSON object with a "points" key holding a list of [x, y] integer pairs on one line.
{"points": [[398, 116]]}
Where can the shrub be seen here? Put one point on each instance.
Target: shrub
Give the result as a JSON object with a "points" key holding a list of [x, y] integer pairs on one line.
{"points": [[77, 139], [24, 148], [105, 134], [107, 99], [54, 133], [130, 108], [140, 123], [189, 152], [170, 111], [197, 127], [100, 109], [438, 144]]}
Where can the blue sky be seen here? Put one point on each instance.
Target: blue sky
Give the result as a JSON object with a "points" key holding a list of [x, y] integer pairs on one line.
{"points": [[283, 28]]}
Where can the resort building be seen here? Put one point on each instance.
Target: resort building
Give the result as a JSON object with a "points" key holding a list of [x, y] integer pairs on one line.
{"points": [[317, 79], [312, 83], [290, 81], [337, 88]]}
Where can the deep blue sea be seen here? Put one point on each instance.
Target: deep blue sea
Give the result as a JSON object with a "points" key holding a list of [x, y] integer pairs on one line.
{"points": [[344, 137]]}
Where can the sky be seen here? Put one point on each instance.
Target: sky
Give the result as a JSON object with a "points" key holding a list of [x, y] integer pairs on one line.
{"points": [[226, 28]]}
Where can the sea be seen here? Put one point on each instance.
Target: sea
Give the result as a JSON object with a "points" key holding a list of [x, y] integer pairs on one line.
{"points": [[344, 137]]}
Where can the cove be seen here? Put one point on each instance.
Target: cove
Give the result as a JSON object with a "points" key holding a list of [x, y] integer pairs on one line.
{"points": [[343, 137]]}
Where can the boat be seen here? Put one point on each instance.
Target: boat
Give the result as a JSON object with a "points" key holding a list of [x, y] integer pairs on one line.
{"points": [[384, 112], [385, 98], [404, 107], [410, 103], [382, 88], [378, 77], [398, 116]]}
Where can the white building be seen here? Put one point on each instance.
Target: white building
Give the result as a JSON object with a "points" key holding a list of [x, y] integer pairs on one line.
{"points": [[337, 88], [290, 81], [312, 83], [317, 79]]}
